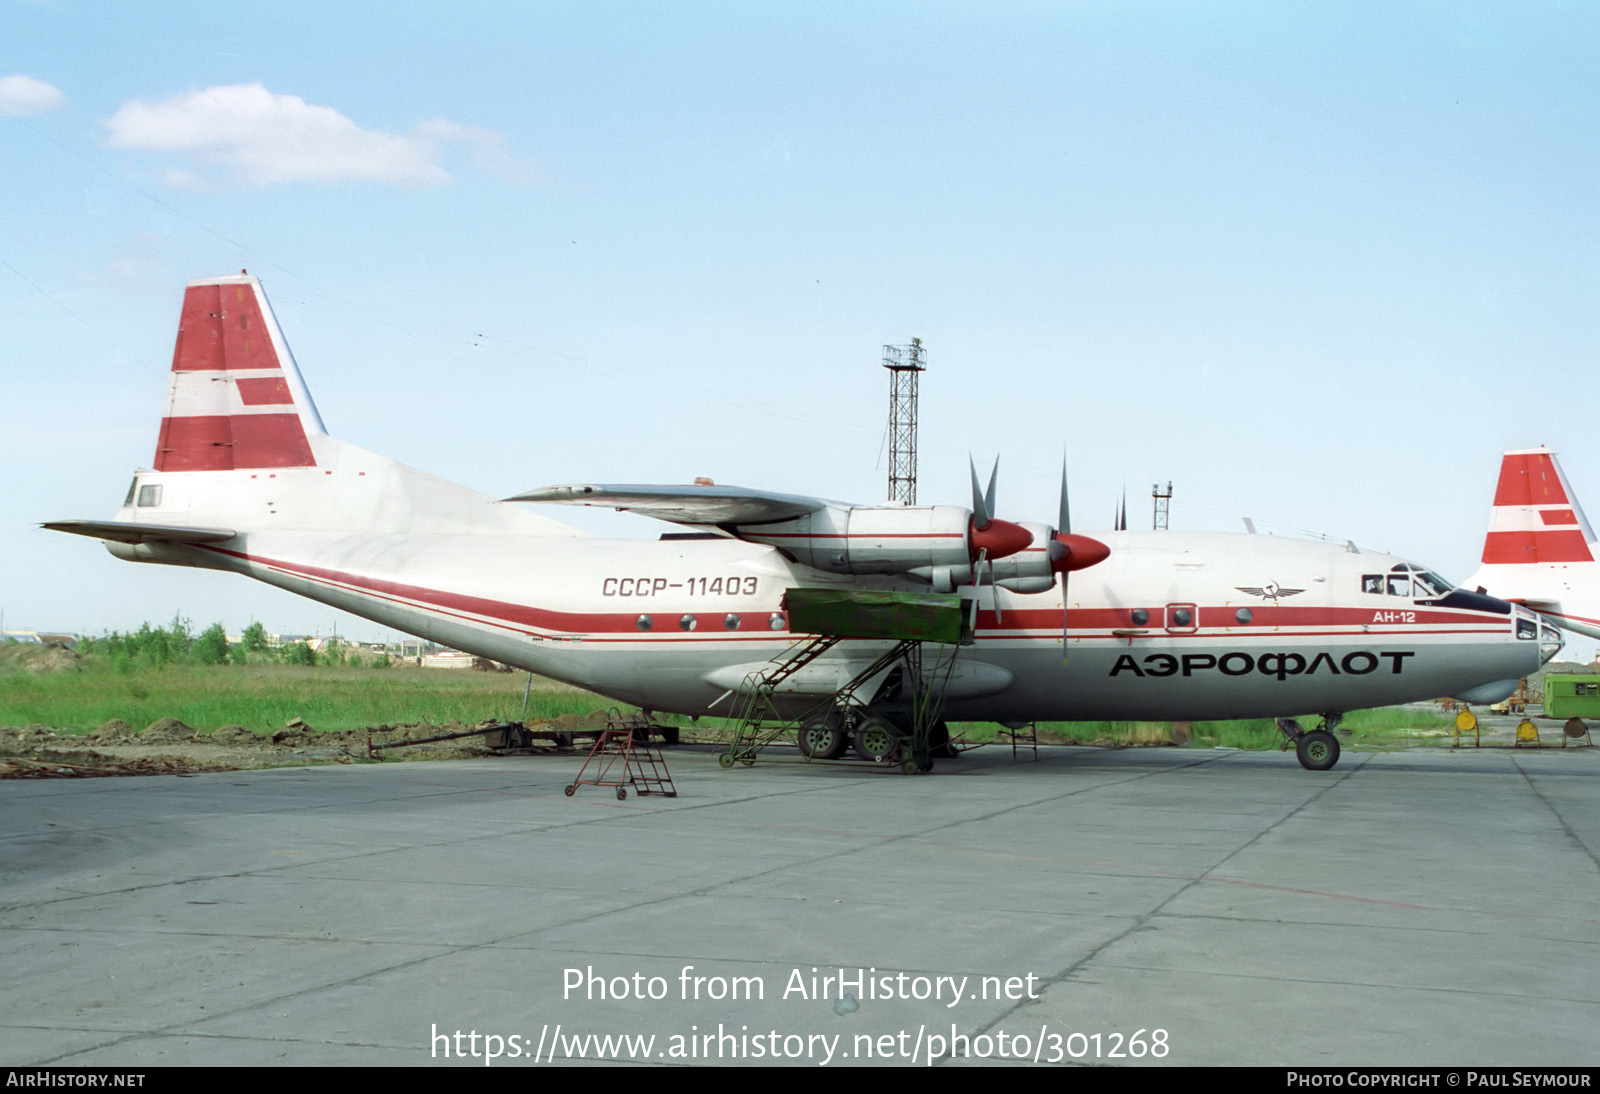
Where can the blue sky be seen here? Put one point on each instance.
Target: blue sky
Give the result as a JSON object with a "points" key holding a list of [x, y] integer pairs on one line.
{"points": [[1317, 264]]}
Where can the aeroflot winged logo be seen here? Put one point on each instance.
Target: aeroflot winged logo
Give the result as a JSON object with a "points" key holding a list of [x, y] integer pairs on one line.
{"points": [[1270, 591]]}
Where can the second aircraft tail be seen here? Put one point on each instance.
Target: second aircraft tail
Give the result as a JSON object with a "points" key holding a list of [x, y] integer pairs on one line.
{"points": [[1540, 549]]}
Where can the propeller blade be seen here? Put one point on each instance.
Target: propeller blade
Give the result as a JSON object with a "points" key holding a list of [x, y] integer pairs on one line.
{"points": [[1064, 522], [1063, 529], [988, 495], [978, 565], [1064, 575], [980, 507]]}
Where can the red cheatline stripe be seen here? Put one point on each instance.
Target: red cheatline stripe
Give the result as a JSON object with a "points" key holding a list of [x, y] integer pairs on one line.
{"points": [[1529, 478], [1045, 621], [1556, 545], [759, 535]]}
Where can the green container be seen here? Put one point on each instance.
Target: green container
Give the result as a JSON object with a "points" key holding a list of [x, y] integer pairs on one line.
{"points": [[862, 613], [1571, 695]]}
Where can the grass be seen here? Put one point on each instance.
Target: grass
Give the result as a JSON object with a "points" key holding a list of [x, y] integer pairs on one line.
{"points": [[1389, 726], [265, 697]]}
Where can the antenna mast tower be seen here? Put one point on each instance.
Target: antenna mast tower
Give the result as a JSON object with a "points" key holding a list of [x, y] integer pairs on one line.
{"points": [[904, 363], [1163, 498]]}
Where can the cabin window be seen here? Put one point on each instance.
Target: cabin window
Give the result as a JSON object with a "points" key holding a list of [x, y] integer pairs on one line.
{"points": [[1244, 615], [1139, 616]]}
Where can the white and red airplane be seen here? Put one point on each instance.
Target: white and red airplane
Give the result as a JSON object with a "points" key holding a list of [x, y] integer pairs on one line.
{"points": [[1540, 550], [1156, 625]]}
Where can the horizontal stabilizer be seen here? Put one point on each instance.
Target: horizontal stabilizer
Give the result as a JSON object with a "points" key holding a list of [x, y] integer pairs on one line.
{"points": [[683, 504], [132, 532]]}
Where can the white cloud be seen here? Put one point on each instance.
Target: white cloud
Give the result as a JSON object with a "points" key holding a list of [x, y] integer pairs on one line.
{"points": [[488, 149], [23, 95], [262, 139]]}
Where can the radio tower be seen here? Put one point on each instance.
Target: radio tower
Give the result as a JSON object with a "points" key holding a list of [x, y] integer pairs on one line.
{"points": [[1163, 498], [904, 364]]}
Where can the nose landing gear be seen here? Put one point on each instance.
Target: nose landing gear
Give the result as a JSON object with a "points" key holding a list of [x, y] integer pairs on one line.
{"points": [[1318, 749]]}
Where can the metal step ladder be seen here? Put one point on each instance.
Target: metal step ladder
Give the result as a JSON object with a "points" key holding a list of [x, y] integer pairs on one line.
{"points": [[625, 743]]}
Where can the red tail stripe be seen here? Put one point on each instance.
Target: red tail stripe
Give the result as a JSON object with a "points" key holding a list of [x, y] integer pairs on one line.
{"points": [[1529, 478], [1558, 516], [1503, 548], [264, 391], [223, 443], [222, 328]]}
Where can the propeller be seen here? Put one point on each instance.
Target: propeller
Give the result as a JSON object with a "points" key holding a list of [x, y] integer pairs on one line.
{"points": [[1070, 552], [991, 536], [993, 539], [1063, 528]]}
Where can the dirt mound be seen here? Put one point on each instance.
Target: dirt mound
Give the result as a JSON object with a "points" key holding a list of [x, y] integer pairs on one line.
{"points": [[17, 740], [595, 719], [171, 747], [81, 765], [163, 730], [31, 658]]}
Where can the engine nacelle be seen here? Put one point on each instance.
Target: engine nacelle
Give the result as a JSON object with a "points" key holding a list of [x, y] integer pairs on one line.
{"points": [[937, 543], [1031, 569]]}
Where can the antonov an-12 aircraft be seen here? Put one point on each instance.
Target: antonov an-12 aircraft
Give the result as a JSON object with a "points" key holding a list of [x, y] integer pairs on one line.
{"points": [[1151, 626]]}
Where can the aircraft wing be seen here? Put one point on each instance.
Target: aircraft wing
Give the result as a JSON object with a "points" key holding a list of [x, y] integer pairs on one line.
{"points": [[683, 504], [132, 532]]}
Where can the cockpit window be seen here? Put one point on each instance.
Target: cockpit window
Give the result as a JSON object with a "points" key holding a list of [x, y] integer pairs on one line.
{"points": [[1407, 580], [132, 486], [150, 495], [1431, 584]]}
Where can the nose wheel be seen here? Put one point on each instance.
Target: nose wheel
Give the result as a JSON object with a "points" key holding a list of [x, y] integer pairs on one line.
{"points": [[1318, 749]]}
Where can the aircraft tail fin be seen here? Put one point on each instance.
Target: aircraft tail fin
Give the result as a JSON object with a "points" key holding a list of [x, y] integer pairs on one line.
{"points": [[242, 449], [1540, 550], [235, 399], [1536, 517]]}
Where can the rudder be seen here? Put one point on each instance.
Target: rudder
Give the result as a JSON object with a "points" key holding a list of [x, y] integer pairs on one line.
{"points": [[235, 399], [1536, 518]]}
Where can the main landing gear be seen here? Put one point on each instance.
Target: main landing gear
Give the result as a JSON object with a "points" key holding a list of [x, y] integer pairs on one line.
{"points": [[1317, 750]]}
